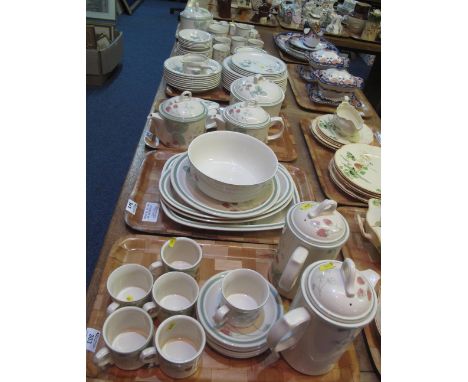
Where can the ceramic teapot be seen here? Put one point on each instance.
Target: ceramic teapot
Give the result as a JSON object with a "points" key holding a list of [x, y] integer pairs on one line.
{"points": [[313, 231], [181, 119], [334, 303], [348, 121]]}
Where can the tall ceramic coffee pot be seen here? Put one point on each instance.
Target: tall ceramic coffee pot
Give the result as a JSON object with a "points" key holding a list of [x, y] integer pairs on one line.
{"points": [[313, 231], [334, 303]]}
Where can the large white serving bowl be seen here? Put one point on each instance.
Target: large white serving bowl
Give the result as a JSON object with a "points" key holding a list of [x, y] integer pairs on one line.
{"points": [[230, 166]]}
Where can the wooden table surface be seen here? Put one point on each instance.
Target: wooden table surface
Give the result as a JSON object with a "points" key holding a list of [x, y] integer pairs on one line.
{"points": [[118, 228]]}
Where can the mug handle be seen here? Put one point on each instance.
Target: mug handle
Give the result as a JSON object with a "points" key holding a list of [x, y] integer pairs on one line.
{"points": [[275, 121], [220, 316], [149, 356], [103, 358], [151, 308], [361, 221], [112, 308], [293, 268], [220, 122], [156, 269], [288, 330]]}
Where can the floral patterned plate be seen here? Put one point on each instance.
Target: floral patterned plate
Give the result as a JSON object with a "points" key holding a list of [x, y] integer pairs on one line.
{"points": [[260, 63], [326, 126], [185, 187], [338, 182], [230, 337], [360, 165]]}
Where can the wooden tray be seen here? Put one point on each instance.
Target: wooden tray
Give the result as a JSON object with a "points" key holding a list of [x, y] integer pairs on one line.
{"points": [[243, 15], [146, 190], [298, 86], [217, 95], [284, 147], [217, 257], [365, 256], [321, 157]]}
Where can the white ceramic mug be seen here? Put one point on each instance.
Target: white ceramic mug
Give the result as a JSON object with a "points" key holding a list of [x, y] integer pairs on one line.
{"points": [[222, 40], [179, 254], [239, 29], [173, 293], [129, 285], [237, 41], [178, 346], [126, 333], [220, 52], [255, 42], [244, 293]]}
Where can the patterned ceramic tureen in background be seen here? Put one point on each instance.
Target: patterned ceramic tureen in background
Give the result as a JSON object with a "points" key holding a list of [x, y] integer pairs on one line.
{"points": [[338, 79], [327, 59]]}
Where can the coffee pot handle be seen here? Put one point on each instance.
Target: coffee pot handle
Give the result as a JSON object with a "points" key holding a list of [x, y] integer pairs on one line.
{"points": [[288, 330], [293, 269]]}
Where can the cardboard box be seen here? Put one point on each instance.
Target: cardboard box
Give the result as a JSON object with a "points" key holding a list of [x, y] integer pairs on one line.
{"points": [[102, 62]]}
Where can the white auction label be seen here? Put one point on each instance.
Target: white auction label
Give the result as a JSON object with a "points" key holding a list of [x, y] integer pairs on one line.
{"points": [[151, 212], [92, 339], [131, 206]]}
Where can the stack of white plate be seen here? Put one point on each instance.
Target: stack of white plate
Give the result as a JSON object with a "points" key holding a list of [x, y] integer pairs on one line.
{"points": [[184, 203], [227, 339], [194, 41], [196, 83], [355, 169], [247, 64], [325, 132]]}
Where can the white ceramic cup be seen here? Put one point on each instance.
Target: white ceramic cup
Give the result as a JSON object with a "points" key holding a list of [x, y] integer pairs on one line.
{"points": [[220, 52], [244, 292], [179, 254], [222, 40], [237, 41], [255, 42], [129, 285], [178, 346], [173, 293], [126, 333]]}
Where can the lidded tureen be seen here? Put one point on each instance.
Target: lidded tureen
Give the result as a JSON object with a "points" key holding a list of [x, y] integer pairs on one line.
{"points": [[327, 59], [338, 79], [257, 88], [195, 17], [246, 114]]}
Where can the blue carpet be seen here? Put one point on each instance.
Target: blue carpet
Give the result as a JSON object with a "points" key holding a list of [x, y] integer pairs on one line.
{"points": [[116, 113]]}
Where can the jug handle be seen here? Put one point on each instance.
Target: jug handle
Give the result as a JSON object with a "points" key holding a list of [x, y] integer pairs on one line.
{"points": [[293, 269], [276, 121], [288, 330], [361, 221], [220, 122]]}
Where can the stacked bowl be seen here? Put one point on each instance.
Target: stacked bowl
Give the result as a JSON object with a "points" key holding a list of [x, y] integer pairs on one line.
{"points": [[194, 41], [227, 181], [355, 169], [192, 72], [245, 64]]}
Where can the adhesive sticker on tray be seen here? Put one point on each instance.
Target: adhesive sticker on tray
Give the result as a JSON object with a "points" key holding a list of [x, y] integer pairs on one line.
{"points": [[92, 339], [131, 206], [151, 212]]}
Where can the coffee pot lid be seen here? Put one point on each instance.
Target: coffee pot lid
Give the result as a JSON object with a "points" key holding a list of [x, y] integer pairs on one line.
{"points": [[318, 222], [183, 107], [341, 292]]}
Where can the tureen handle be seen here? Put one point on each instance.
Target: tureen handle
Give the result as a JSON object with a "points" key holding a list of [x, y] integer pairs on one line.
{"points": [[348, 272], [371, 276], [186, 94], [327, 206]]}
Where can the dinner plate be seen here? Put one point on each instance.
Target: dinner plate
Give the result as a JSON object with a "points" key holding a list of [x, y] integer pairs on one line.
{"points": [[343, 188], [253, 62], [174, 65], [351, 186], [228, 336], [194, 36], [186, 188], [360, 165]]}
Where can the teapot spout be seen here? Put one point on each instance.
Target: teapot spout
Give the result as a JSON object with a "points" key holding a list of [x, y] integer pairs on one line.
{"points": [[372, 276]]}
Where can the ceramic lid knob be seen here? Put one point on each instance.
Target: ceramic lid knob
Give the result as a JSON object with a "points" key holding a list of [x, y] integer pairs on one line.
{"points": [[183, 107], [257, 88], [319, 222], [246, 113], [341, 292]]}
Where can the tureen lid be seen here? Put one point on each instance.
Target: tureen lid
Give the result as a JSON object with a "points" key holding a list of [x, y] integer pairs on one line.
{"points": [[341, 292], [339, 77], [183, 107], [246, 113], [327, 56], [318, 222], [196, 12], [257, 88]]}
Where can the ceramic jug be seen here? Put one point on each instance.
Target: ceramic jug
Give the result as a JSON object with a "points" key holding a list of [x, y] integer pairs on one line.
{"points": [[181, 119], [334, 303], [348, 121], [313, 231]]}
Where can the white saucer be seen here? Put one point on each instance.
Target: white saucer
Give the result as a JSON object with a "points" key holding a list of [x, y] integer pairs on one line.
{"points": [[249, 341]]}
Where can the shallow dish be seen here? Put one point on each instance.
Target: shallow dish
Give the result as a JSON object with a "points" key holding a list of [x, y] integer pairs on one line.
{"points": [[339, 80], [231, 166]]}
